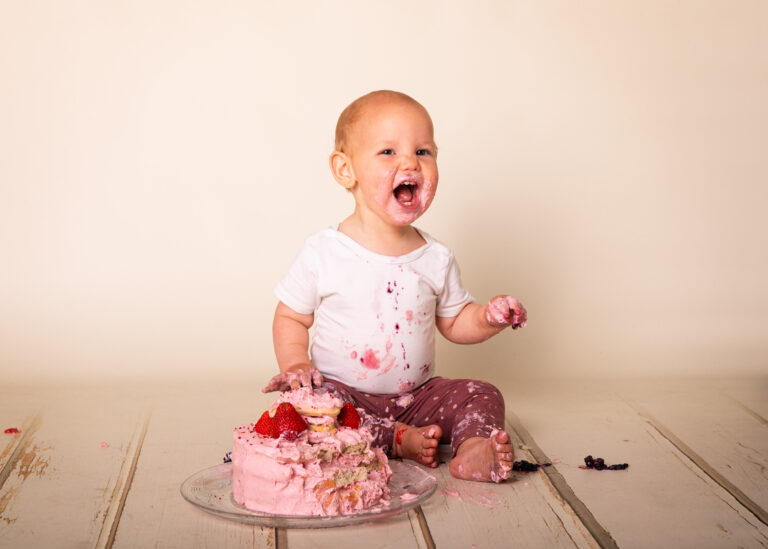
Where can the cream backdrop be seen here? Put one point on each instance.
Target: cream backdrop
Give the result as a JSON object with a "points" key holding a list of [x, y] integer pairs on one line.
{"points": [[161, 163]]}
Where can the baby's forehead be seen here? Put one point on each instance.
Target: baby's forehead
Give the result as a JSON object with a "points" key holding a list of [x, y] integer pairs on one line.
{"points": [[374, 108], [384, 114]]}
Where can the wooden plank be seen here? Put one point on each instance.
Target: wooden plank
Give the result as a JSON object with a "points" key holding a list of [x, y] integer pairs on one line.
{"points": [[725, 441], [750, 394], [190, 430], [122, 485], [389, 533], [525, 509], [662, 487], [58, 490], [525, 441], [19, 409], [13, 442]]}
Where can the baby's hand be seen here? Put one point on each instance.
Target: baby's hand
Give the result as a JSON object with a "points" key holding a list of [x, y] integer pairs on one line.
{"points": [[304, 375], [504, 310]]}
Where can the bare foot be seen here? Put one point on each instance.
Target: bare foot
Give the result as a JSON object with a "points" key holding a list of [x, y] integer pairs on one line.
{"points": [[417, 443], [485, 459]]}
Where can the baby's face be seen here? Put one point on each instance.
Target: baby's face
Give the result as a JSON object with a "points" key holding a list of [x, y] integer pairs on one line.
{"points": [[394, 159]]}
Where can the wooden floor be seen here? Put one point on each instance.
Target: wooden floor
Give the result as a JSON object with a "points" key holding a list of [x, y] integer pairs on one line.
{"points": [[102, 465]]}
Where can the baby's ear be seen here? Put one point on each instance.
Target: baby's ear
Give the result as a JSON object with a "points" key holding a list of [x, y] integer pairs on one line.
{"points": [[341, 168]]}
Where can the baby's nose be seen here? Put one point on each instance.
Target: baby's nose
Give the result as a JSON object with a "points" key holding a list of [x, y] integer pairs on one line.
{"points": [[409, 162]]}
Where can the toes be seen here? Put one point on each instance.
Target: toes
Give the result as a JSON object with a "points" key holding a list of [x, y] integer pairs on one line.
{"points": [[429, 443], [427, 460], [504, 449], [502, 437], [429, 452]]}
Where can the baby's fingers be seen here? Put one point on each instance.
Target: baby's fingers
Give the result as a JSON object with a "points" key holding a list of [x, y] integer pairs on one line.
{"points": [[305, 378], [519, 316], [317, 378], [277, 383]]}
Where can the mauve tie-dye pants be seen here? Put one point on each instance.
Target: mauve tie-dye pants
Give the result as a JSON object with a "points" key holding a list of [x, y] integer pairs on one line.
{"points": [[463, 408]]}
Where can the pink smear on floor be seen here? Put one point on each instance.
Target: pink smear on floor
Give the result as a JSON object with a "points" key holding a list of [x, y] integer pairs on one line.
{"points": [[453, 494], [477, 496], [12, 431]]}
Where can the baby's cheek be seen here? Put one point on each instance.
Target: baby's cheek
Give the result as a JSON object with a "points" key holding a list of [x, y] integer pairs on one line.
{"points": [[428, 192]]}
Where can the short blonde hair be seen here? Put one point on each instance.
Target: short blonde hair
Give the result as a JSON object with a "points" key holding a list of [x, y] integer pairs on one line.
{"points": [[355, 110]]}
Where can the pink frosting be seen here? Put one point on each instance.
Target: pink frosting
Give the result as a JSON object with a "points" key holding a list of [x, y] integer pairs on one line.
{"points": [[297, 477], [305, 399]]}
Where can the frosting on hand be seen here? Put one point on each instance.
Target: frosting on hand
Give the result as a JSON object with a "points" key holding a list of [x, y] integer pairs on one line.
{"points": [[504, 310], [302, 376]]}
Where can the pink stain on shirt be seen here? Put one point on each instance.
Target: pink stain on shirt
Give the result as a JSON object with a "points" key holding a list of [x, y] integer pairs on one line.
{"points": [[370, 360], [406, 386]]}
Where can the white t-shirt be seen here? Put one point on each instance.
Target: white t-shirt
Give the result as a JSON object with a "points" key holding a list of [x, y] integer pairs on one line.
{"points": [[374, 315]]}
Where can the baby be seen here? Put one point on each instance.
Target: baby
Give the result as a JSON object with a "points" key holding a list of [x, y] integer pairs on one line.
{"points": [[375, 288]]}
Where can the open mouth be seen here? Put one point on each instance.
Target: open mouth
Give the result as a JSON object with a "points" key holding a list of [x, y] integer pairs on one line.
{"points": [[405, 193]]}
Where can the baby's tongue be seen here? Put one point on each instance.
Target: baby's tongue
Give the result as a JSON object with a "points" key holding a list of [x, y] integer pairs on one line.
{"points": [[403, 193]]}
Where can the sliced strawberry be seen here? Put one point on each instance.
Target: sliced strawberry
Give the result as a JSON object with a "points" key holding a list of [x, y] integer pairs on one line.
{"points": [[287, 422], [348, 417], [264, 425]]}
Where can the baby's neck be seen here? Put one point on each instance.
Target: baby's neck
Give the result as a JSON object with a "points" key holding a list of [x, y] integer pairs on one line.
{"points": [[387, 240]]}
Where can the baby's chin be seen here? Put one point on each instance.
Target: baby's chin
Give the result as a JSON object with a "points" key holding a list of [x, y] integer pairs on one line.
{"points": [[405, 216]]}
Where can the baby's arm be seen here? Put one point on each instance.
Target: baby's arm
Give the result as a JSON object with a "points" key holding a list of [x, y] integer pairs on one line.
{"points": [[290, 335], [476, 323]]}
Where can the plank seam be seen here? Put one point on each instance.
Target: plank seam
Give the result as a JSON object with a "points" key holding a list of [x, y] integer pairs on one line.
{"points": [[601, 536], [701, 463], [281, 538], [749, 410], [567, 533], [416, 515], [28, 429], [120, 492]]}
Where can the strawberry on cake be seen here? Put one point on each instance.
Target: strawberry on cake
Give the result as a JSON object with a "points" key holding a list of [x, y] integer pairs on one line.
{"points": [[308, 455]]}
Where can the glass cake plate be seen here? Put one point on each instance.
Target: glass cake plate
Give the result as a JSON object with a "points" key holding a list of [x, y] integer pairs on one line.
{"points": [[211, 490]]}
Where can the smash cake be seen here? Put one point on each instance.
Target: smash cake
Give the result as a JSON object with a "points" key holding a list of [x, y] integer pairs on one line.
{"points": [[308, 455]]}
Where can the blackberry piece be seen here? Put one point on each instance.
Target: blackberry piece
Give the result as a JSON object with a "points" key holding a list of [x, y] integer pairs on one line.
{"points": [[525, 466], [228, 457], [598, 464]]}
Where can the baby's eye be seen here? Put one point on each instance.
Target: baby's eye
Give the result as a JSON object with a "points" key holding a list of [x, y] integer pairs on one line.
{"points": [[423, 152], [387, 152]]}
